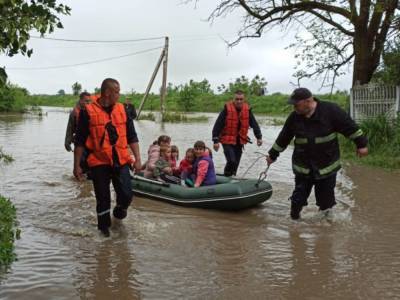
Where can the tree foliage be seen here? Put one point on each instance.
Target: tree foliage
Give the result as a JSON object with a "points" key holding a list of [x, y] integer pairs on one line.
{"points": [[76, 88], [254, 87], [188, 92], [12, 98], [338, 33], [389, 71], [19, 17]]}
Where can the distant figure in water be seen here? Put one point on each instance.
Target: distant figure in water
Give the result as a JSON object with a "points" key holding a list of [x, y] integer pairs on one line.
{"points": [[84, 99], [314, 125], [130, 109]]}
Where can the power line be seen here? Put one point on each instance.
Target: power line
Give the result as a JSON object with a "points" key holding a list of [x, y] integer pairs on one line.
{"points": [[96, 41], [176, 39], [88, 62]]}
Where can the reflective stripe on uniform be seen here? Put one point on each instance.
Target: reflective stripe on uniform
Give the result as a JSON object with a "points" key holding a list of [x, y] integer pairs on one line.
{"points": [[278, 148], [104, 212], [325, 139], [301, 169], [300, 141], [329, 168], [356, 134]]}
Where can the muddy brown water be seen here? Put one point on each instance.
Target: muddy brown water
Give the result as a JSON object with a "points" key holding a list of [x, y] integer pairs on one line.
{"points": [[163, 251]]}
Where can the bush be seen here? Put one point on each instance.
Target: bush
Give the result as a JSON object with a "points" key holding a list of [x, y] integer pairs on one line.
{"points": [[8, 232], [384, 143], [13, 98]]}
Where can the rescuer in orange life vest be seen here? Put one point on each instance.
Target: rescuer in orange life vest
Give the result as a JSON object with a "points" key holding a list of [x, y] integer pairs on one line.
{"points": [[106, 130], [231, 128]]}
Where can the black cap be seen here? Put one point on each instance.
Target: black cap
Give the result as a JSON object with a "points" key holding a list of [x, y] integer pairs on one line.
{"points": [[298, 95]]}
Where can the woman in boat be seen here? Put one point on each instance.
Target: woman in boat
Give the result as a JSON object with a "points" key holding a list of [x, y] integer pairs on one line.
{"points": [[203, 167], [154, 155]]}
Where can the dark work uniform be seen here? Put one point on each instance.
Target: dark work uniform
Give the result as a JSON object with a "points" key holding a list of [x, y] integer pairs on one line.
{"points": [[233, 153], [316, 154], [103, 174]]}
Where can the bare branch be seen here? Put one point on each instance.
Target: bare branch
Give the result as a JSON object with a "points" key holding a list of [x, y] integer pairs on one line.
{"points": [[333, 23], [301, 6]]}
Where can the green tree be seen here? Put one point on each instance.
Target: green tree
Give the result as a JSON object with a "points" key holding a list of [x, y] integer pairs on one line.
{"points": [[389, 72], [258, 86], [12, 98], [190, 91], [76, 89], [253, 87], [19, 18], [61, 92], [339, 33], [172, 89]]}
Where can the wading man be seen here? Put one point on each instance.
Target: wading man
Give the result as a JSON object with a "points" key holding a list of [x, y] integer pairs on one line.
{"points": [[106, 130], [84, 98], [231, 128], [314, 125]]}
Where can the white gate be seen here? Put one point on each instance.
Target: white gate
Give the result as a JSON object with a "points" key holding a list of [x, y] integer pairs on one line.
{"points": [[370, 100]]}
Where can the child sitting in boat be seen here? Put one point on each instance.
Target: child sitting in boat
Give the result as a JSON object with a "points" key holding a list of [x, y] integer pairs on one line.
{"points": [[154, 155], [203, 167], [174, 159], [162, 168], [186, 164]]}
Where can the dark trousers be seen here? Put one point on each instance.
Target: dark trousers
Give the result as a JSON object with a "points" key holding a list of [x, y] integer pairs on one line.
{"points": [[121, 180], [324, 190], [233, 154]]}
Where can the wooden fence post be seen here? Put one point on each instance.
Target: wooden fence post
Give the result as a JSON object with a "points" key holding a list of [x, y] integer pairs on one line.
{"points": [[397, 100], [351, 104]]}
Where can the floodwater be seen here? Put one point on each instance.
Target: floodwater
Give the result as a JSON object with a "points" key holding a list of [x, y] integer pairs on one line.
{"points": [[163, 251]]}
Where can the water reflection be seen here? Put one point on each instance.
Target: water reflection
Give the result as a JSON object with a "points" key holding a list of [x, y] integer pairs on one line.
{"points": [[111, 271]]}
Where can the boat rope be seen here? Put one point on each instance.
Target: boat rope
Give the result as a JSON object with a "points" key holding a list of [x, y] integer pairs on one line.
{"points": [[263, 176], [261, 155]]}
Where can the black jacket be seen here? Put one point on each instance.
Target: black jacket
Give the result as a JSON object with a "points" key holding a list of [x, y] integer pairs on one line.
{"points": [[316, 147]]}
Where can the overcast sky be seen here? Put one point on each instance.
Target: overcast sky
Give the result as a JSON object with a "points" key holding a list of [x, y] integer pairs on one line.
{"points": [[197, 49]]}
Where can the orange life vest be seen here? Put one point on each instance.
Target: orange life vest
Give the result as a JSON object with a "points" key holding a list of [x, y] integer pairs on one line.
{"points": [[98, 141], [231, 131]]}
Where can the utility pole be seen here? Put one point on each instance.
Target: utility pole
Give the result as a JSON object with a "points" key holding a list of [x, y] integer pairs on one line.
{"points": [[163, 59], [164, 78], [153, 76]]}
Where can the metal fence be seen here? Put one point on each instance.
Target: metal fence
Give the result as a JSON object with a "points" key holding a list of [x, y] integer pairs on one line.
{"points": [[371, 100]]}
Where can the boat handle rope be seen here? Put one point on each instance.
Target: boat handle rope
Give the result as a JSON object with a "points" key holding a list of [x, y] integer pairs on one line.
{"points": [[263, 176], [261, 155]]}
